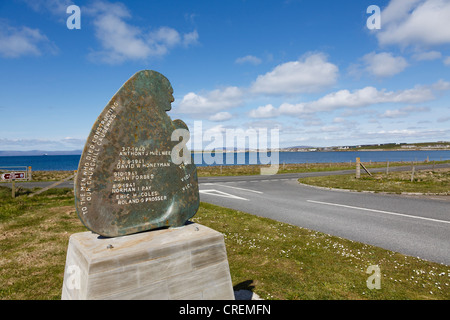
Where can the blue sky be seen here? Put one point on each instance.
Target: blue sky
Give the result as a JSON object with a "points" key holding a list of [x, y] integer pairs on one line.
{"points": [[311, 69]]}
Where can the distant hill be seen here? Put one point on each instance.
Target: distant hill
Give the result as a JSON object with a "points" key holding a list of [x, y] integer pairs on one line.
{"points": [[39, 153], [300, 147]]}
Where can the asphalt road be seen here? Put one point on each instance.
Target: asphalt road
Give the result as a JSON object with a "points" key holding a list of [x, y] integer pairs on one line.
{"points": [[417, 227]]}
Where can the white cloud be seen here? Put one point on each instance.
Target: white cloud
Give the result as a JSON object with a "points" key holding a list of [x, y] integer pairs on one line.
{"points": [[330, 129], [123, 41], [339, 120], [221, 116], [440, 85], [23, 41], [415, 22], [165, 36], [65, 144], [306, 75], [313, 123], [447, 61], [267, 111], [384, 64], [249, 59], [443, 119], [368, 96], [265, 124], [392, 113], [426, 56], [398, 10], [212, 101], [190, 38], [389, 135], [213, 137], [311, 73], [345, 98], [292, 109], [403, 112], [356, 99], [56, 7]]}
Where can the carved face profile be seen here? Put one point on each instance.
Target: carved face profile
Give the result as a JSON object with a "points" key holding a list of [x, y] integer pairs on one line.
{"points": [[126, 180]]}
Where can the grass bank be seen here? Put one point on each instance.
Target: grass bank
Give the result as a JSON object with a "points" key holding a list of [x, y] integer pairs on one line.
{"points": [[241, 170], [424, 181], [276, 260]]}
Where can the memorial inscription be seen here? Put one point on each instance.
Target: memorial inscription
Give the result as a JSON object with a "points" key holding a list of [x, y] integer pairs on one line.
{"points": [[127, 181]]}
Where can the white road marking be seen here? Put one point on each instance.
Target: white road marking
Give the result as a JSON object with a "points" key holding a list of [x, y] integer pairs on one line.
{"points": [[224, 185], [214, 192], [379, 211]]}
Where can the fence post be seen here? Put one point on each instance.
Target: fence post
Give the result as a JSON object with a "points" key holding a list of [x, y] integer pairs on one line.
{"points": [[13, 186], [387, 167], [412, 173], [29, 174], [358, 168]]}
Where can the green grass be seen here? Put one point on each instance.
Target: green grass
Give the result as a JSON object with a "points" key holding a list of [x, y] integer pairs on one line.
{"points": [[34, 234], [277, 260], [424, 181], [241, 170]]}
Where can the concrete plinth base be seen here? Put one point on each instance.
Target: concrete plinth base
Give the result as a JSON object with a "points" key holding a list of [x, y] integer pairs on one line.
{"points": [[185, 263]]}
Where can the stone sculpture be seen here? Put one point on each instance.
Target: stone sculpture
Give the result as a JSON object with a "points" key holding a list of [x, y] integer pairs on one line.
{"points": [[127, 181]]}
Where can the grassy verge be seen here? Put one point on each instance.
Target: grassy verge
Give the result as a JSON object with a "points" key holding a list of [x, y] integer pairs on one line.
{"points": [[34, 234], [51, 175], [240, 170], [277, 260], [424, 181]]}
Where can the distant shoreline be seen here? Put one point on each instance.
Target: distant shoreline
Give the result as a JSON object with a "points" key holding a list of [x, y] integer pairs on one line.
{"points": [[351, 150], [56, 153], [417, 146]]}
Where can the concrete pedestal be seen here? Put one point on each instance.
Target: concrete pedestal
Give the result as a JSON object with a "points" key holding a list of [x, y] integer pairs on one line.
{"points": [[184, 263]]}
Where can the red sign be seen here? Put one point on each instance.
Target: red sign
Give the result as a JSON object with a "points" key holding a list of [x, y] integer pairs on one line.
{"points": [[15, 175]]}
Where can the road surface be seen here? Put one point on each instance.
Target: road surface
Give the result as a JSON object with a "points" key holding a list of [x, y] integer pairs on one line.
{"points": [[412, 226]]}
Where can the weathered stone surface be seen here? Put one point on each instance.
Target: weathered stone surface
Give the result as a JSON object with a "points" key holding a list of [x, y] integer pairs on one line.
{"points": [[126, 180], [183, 263]]}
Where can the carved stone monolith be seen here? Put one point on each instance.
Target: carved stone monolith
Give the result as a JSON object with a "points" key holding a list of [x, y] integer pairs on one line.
{"points": [[127, 181]]}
